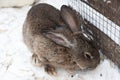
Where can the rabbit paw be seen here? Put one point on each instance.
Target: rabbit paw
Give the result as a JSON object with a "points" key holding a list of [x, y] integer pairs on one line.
{"points": [[50, 70], [35, 60]]}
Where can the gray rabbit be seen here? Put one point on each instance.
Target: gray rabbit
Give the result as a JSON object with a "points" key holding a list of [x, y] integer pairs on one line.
{"points": [[55, 39]]}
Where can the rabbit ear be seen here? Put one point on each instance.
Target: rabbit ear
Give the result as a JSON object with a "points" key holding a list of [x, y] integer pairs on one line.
{"points": [[70, 17], [58, 39]]}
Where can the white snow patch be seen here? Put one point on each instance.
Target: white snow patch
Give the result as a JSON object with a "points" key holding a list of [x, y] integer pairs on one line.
{"points": [[15, 3], [15, 58]]}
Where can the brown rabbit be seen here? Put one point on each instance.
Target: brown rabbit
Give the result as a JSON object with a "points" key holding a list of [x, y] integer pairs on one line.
{"points": [[55, 39]]}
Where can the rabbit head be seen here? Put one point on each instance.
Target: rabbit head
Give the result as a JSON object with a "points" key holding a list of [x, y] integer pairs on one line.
{"points": [[84, 54]]}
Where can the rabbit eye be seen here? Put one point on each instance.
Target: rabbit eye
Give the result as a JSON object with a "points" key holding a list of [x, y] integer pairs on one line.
{"points": [[88, 55]]}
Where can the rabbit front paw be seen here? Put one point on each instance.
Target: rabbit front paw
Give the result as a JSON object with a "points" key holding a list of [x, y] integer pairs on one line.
{"points": [[35, 60], [50, 70]]}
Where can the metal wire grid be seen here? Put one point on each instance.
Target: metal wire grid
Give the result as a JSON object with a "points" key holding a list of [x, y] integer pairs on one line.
{"points": [[97, 19], [104, 30]]}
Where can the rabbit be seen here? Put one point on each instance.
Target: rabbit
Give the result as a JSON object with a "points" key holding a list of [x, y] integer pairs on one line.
{"points": [[56, 41]]}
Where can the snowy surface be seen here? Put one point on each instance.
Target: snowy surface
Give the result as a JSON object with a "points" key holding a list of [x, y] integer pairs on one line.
{"points": [[15, 3], [15, 58]]}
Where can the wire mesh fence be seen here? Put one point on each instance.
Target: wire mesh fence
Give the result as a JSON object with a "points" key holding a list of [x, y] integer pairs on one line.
{"points": [[102, 21]]}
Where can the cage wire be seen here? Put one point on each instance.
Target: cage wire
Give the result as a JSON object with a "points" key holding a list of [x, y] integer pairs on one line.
{"points": [[102, 21]]}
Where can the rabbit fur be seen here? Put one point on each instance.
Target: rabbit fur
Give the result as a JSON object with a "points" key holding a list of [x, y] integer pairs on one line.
{"points": [[55, 39]]}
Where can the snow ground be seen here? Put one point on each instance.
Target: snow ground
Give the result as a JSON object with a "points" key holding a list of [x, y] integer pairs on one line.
{"points": [[15, 58]]}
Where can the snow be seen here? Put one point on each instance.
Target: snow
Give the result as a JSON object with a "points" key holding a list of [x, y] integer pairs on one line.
{"points": [[15, 3], [15, 58]]}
